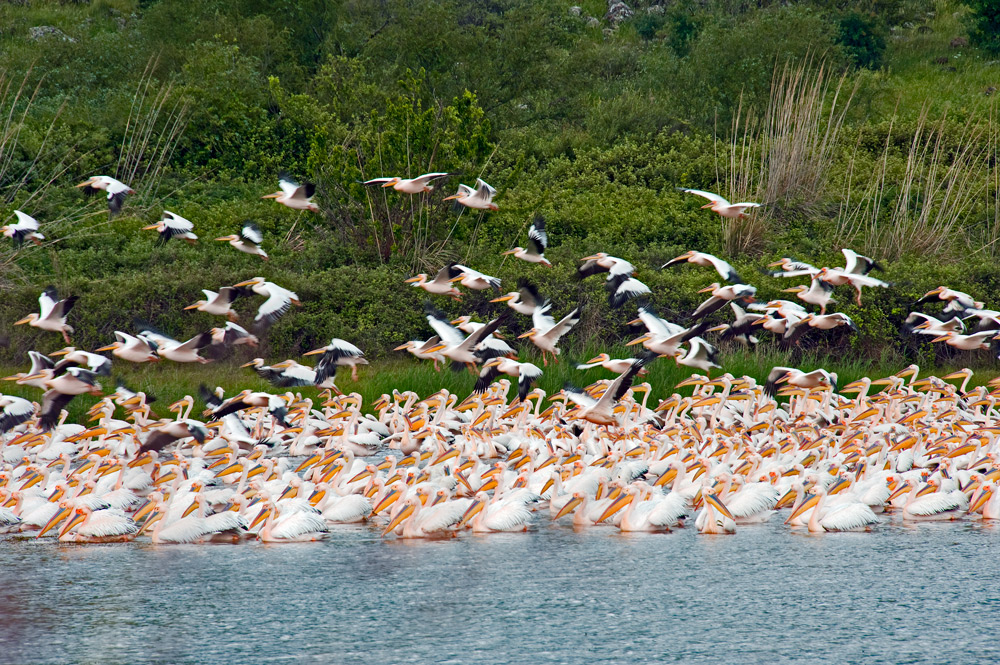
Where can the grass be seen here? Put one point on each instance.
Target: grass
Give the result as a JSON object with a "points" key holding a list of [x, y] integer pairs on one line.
{"points": [[169, 382]]}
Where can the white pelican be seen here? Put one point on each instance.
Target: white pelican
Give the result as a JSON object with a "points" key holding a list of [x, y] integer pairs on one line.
{"points": [[73, 357], [116, 190], [701, 355], [218, 304], [497, 514], [973, 342], [546, 332], [85, 525], [233, 335], [623, 288], [539, 240], [338, 353], [474, 279], [409, 185], [454, 345], [721, 295], [179, 352], [53, 313], [441, 284], [289, 527], [714, 517], [294, 195], [818, 293], [603, 411], [957, 301], [656, 514], [248, 241], [846, 516], [818, 378], [725, 270], [525, 373], [601, 262], [39, 362], [165, 433], [133, 349], [16, 410], [721, 205], [855, 264], [424, 350], [480, 198], [418, 521], [26, 228], [523, 301], [173, 226], [616, 365], [926, 503], [279, 299]]}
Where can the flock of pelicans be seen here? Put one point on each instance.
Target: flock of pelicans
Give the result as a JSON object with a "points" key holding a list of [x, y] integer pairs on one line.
{"points": [[288, 467]]}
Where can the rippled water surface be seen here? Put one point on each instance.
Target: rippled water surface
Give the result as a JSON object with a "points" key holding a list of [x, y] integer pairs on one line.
{"points": [[927, 593]]}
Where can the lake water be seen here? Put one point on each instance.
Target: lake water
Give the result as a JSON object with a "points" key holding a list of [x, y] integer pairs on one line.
{"points": [[922, 594]]}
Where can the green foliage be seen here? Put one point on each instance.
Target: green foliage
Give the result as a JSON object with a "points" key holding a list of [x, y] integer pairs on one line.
{"points": [[984, 24], [862, 39]]}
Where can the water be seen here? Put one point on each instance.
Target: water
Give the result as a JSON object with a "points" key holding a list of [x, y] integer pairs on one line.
{"points": [[926, 594]]}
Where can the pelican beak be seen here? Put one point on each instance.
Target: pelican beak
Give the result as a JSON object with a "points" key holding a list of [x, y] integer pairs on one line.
{"points": [[508, 252], [637, 340], [412, 280], [615, 506], [449, 198], [315, 351], [475, 508], [569, 507], [386, 501], [707, 289], [271, 196], [530, 333], [56, 519], [77, 519], [503, 298], [264, 513], [665, 477], [360, 476], [390, 183], [151, 227], [398, 519], [190, 509], [716, 503], [984, 494], [902, 489], [245, 283], [786, 500], [249, 364], [24, 320]]}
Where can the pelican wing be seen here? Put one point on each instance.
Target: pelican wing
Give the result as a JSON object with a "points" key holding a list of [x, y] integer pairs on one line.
{"points": [[39, 362], [443, 515], [487, 375], [52, 403], [376, 181], [251, 233], [108, 522], [564, 326], [848, 516], [507, 516], [541, 319], [15, 412], [528, 374], [429, 177], [448, 333], [278, 302], [538, 236], [578, 396], [484, 191], [725, 270], [529, 293], [293, 525], [47, 301], [622, 288], [713, 304], [714, 198], [199, 341]]}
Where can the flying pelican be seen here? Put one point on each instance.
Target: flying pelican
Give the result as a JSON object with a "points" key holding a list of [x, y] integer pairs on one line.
{"points": [[957, 301], [539, 241], [603, 411], [601, 262], [409, 185], [294, 195], [179, 352], [857, 264], [475, 280], [248, 241], [16, 410], [817, 378], [424, 350], [116, 191], [61, 390], [525, 373], [53, 313], [616, 365], [480, 198], [279, 299], [26, 228], [338, 353], [721, 205], [623, 288], [523, 301], [721, 295], [441, 284], [454, 345], [133, 349], [819, 292], [547, 332], [233, 335], [168, 432], [172, 226], [725, 270], [219, 304], [973, 342], [701, 355], [74, 357]]}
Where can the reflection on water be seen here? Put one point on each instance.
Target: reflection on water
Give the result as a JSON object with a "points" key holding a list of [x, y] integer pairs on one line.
{"points": [[926, 593]]}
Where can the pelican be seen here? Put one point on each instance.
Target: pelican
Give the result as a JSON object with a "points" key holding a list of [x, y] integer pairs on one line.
{"points": [[116, 191], [819, 292], [73, 357], [701, 355], [539, 241], [601, 262], [722, 206], [957, 301], [973, 342], [168, 432], [496, 514], [133, 349], [847, 516], [616, 365], [173, 226], [721, 295], [248, 241], [454, 345], [623, 288], [218, 304], [419, 521], [725, 270], [547, 332], [16, 410], [61, 390], [39, 362], [424, 350], [179, 352], [53, 313], [293, 195], [474, 279], [715, 518], [480, 198], [441, 284], [525, 373], [523, 301], [26, 228], [818, 378], [233, 335], [602, 411], [338, 353], [416, 185], [279, 299], [289, 526], [86, 525]]}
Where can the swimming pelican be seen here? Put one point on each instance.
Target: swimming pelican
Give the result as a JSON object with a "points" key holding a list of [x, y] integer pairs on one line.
{"points": [[248, 241], [714, 517], [289, 526], [172, 226], [86, 525], [721, 205], [53, 313], [26, 228], [294, 195], [116, 191], [480, 198]]}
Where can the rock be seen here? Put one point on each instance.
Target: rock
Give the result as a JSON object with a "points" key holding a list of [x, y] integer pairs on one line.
{"points": [[593, 22], [617, 12], [989, 91], [959, 42], [46, 31], [655, 10], [575, 11]]}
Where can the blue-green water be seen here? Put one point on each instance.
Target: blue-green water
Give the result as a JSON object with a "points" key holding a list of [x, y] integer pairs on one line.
{"points": [[927, 593]]}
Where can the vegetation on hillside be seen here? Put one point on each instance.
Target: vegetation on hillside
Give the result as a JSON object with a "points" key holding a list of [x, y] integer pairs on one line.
{"points": [[867, 124]]}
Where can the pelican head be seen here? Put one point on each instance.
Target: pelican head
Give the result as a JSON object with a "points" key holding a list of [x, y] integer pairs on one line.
{"points": [[28, 319], [391, 182]]}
